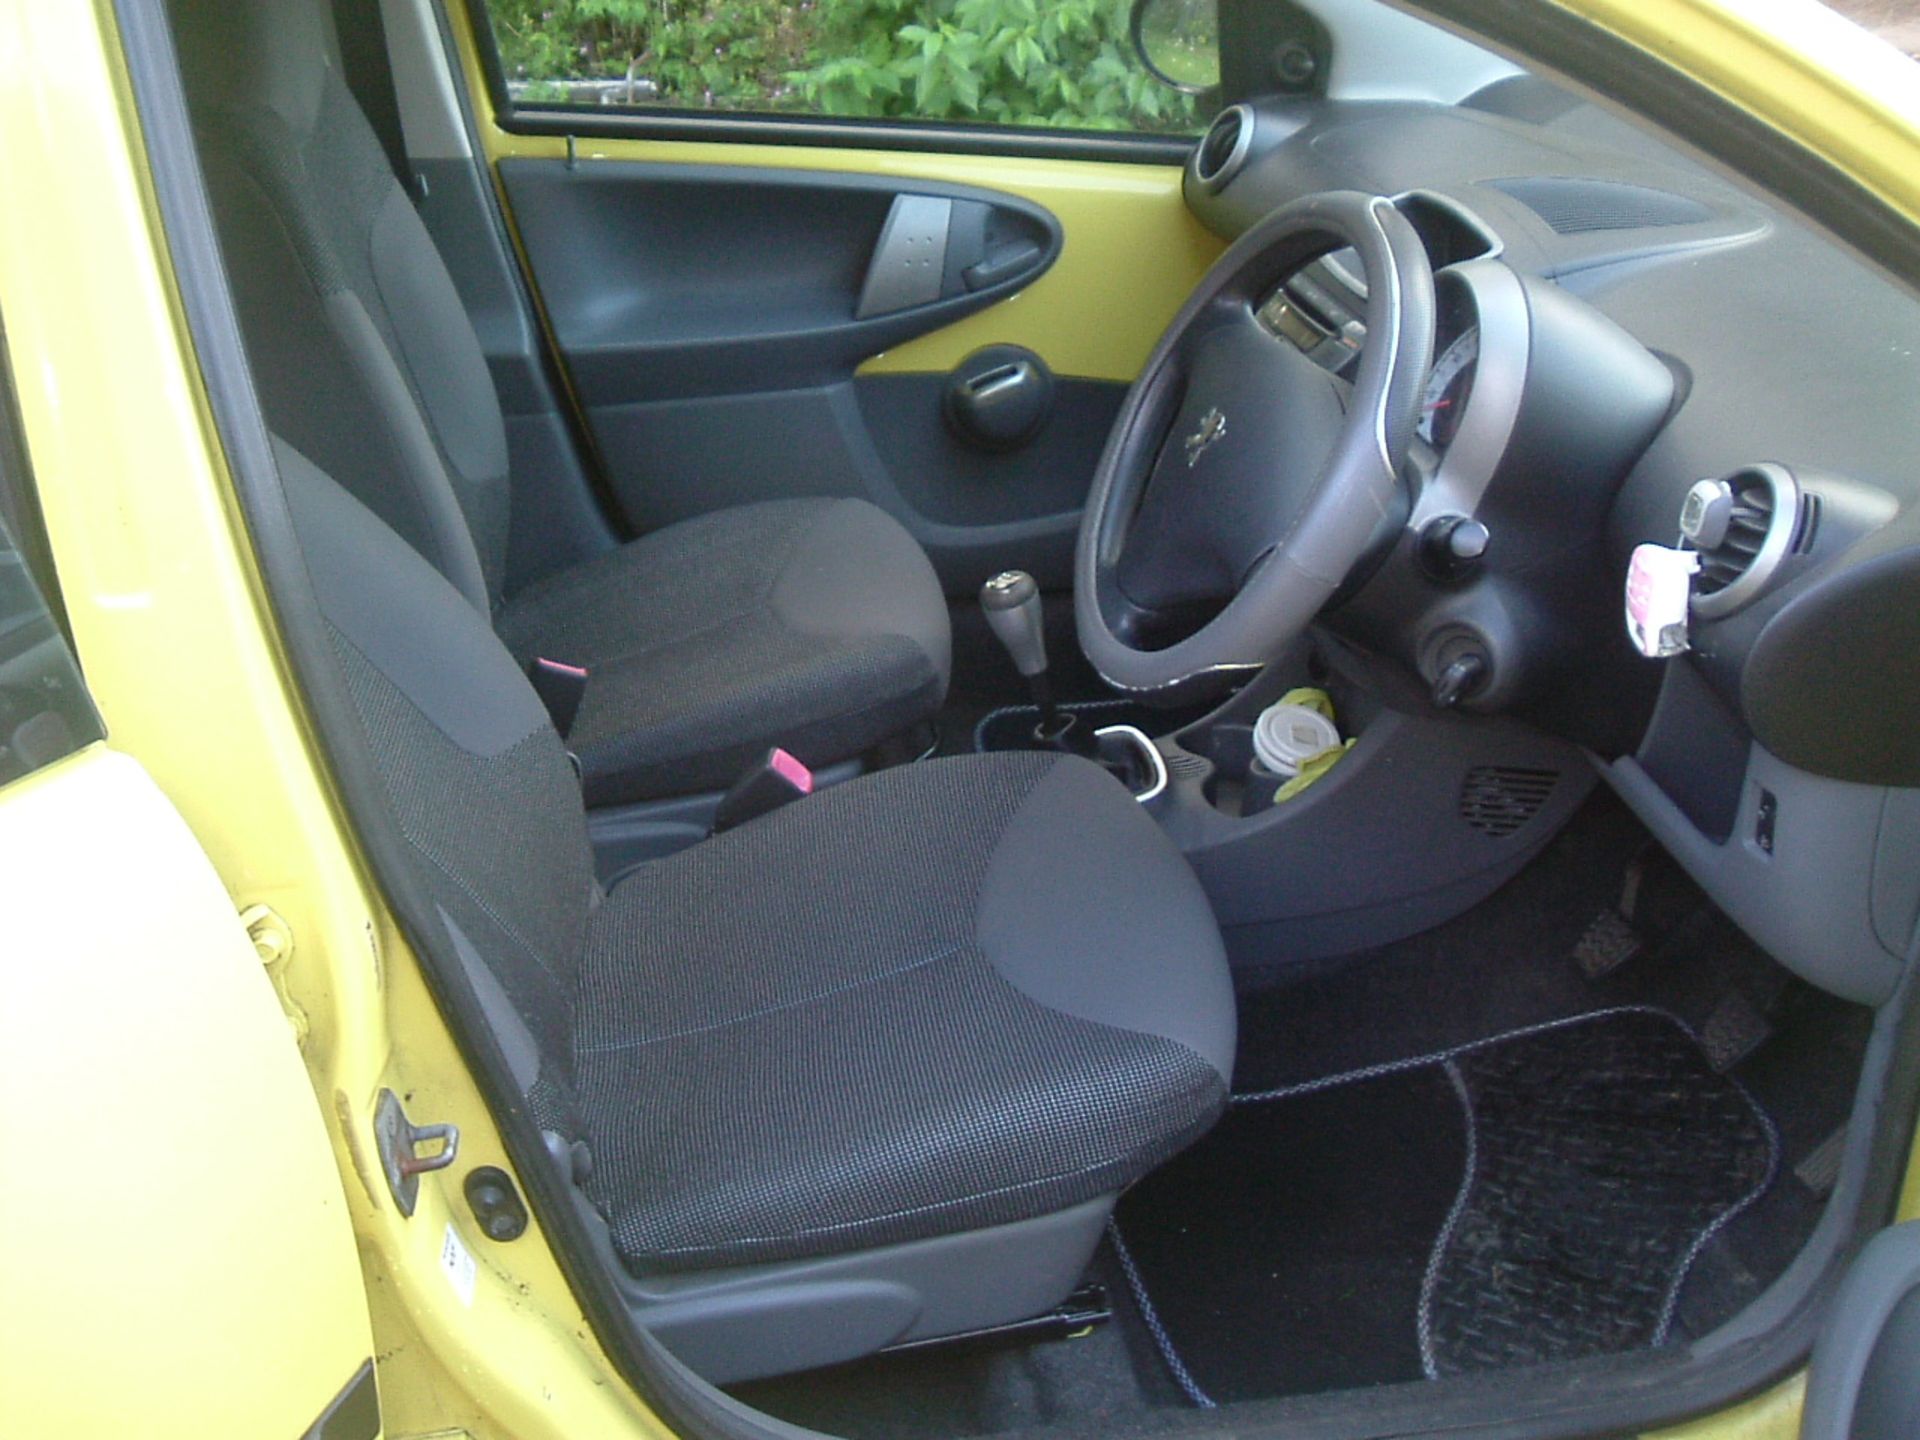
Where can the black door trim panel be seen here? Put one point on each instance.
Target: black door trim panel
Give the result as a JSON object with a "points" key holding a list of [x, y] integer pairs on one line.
{"points": [[665, 281]]}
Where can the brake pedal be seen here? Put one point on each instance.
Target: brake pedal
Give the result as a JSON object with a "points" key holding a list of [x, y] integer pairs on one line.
{"points": [[1609, 942], [1734, 1031]]}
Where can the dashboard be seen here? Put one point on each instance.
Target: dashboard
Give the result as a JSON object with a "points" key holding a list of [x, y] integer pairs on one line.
{"points": [[1631, 351]]}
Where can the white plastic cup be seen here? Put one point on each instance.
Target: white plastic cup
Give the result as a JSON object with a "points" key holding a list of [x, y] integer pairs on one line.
{"points": [[1287, 736]]}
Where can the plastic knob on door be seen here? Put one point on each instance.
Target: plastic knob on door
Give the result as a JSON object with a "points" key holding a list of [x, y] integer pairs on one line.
{"points": [[998, 398]]}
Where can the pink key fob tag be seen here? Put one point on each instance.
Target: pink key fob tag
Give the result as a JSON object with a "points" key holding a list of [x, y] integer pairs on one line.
{"points": [[1659, 585]]}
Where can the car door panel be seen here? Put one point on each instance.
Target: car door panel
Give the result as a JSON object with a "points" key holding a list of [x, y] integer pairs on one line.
{"points": [[706, 303], [952, 482], [675, 281], [177, 1247]]}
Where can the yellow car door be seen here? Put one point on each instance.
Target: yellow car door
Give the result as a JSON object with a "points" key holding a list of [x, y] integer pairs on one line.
{"points": [[174, 1241], [176, 1254]]}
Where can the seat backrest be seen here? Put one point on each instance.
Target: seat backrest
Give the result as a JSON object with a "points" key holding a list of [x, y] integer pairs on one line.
{"points": [[477, 778], [365, 359]]}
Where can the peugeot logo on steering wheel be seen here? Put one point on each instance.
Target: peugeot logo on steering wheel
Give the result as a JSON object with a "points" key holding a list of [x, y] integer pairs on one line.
{"points": [[1212, 426]]}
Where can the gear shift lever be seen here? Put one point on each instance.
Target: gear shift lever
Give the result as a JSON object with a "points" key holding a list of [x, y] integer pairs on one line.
{"points": [[1011, 601]]}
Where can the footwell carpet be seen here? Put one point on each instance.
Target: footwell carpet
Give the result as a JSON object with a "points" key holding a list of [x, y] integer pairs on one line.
{"points": [[1532, 1197]]}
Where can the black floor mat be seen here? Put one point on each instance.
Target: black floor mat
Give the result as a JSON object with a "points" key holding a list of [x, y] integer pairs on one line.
{"points": [[1532, 1197]]}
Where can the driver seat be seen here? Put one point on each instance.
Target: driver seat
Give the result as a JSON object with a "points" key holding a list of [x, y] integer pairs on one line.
{"points": [[871, 1068]]}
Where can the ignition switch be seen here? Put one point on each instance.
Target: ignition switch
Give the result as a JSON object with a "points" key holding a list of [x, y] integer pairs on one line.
{"points": [[1459, 664], [1462, 675]]}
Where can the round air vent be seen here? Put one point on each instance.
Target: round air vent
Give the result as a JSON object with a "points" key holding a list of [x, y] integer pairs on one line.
{"points": [[1223, 149], [1743, 527]]}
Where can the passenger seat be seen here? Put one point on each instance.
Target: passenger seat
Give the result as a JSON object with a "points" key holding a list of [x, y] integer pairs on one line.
{"points": [[815, 624]]}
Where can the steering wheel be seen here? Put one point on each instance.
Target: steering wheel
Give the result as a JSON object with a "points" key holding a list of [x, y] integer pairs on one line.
{"points": [[1243, 481]]}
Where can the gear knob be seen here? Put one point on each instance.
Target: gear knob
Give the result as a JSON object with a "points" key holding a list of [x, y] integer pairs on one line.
{"points": [[1011, 602]]}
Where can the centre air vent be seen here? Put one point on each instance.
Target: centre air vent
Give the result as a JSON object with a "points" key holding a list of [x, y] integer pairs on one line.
{"points": [[1743, 527], [1223, 149]]}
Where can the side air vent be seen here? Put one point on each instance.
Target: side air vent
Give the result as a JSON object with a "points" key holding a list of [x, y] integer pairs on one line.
{"points": [[1497, 800], [1743, 527], [1223, 149], [1583, 207]]}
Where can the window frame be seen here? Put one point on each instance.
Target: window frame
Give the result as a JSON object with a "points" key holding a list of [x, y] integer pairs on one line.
{"points": [[744, 127], [20, 511], [23, 532]]}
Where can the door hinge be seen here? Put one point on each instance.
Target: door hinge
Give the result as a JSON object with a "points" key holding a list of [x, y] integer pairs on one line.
{"points": [[273, 943]]}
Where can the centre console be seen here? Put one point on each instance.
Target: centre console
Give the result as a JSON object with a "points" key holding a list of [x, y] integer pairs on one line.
{"points": [[1426, 814]]}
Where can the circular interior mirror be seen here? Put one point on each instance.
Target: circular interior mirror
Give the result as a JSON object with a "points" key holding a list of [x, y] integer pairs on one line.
{"points": [[1179, 42]]}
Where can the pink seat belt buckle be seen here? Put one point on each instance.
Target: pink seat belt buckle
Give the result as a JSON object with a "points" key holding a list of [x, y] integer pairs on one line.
{"points": [[791, 770], [777, 778]]}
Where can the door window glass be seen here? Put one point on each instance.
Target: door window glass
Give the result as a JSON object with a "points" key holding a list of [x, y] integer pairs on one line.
{"points": [[1055, 63]]}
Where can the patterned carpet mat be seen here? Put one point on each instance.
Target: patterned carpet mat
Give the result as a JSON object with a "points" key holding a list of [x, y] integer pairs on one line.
{"points": [[1533, 1197]]}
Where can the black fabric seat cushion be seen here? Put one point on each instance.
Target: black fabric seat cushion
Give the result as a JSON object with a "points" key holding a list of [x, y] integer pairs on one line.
{"points": [[817, 625], [942, 997]]}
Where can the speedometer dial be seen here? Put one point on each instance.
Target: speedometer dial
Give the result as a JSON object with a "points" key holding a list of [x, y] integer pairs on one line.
{"points": [[1448, 387]]}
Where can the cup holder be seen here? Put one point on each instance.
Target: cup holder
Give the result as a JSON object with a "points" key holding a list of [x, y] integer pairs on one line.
{"points": [[1238, 785]]}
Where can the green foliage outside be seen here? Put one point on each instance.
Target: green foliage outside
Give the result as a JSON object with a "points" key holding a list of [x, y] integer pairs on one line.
{"points": [[1019, 62]]}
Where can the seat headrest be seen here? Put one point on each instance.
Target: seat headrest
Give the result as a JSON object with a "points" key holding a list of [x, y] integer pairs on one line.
{"points": [[272, 54]]}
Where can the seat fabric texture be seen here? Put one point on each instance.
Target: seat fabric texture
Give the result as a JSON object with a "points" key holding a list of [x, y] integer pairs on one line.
{"points": [[857, 1049], [816, 624], [932, 1000], [709, 639]]}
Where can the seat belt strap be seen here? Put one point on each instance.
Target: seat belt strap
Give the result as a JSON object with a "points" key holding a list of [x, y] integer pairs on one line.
{"points": [[368, 68]]}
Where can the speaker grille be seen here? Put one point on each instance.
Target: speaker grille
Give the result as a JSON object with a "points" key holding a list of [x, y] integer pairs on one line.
{"points": [[1497, 800], [1581, 207]]}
